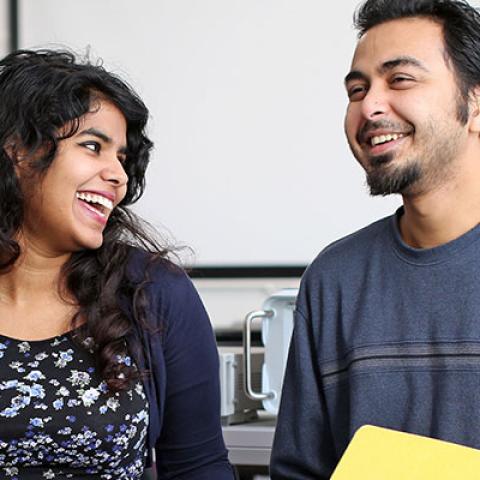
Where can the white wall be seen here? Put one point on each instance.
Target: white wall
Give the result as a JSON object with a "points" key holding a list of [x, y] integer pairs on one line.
{"points": [[247, 102], [4, 28]]}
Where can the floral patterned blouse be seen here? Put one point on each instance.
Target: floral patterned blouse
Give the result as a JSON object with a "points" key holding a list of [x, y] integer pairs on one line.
{"points": [[57, 420]]}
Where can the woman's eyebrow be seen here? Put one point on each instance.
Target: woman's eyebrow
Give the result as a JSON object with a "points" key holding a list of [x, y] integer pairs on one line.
{"points": [[102, 136], [96, 133]]}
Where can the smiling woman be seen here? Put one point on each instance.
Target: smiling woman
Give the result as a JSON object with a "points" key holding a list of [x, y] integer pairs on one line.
{"points": [[94, 353], [88, 170]]}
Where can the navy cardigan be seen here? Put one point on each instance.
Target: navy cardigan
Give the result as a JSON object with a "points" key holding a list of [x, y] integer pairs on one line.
{"points": [[183, 385]]}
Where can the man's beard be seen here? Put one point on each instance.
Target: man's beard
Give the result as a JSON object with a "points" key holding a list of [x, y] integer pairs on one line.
{"points": [[398, 180], [431, 167]]}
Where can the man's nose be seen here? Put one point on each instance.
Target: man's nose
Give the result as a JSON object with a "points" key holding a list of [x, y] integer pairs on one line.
{"points": [[375, 103]]}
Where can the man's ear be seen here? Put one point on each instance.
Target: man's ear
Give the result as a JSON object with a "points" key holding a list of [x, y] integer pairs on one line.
{"points": [[475, 110]]}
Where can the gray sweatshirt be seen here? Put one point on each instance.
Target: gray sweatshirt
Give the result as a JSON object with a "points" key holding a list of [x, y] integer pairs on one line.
{"points": [[384, 334]]}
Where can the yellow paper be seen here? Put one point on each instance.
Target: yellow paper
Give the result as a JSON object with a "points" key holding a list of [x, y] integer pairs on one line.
{"points": [[381, 454]]}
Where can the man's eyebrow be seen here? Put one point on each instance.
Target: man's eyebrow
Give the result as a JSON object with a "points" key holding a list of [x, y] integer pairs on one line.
{"points": [[387, 66], [354, 75], [402, 61], [102, 136]]}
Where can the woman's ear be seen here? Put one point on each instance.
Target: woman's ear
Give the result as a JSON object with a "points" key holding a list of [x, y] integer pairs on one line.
{"points": [[22, 163], [10, 150], [15, 150]]}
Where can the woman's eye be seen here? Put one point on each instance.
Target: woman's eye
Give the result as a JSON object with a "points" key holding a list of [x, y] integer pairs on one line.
{"points": [[93, 146]]}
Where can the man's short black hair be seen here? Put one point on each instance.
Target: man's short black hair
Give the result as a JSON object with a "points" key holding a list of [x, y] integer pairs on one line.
{"points": [[461, 32]]}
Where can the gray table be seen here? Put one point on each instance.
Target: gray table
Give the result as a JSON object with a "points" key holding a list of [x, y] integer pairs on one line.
{"points": [[250, 443]]}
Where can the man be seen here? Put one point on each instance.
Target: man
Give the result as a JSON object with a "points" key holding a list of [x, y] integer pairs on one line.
{"points": [[387, 326]]}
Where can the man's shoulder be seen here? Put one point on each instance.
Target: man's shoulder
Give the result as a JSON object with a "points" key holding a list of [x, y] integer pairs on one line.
{"points": [[352, 249]]}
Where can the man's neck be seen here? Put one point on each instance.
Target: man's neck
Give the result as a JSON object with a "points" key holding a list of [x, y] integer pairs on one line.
{"points": [[439, 216]]}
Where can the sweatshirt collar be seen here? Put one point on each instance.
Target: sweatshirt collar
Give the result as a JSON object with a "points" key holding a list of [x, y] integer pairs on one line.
{"points": [[429, 256]]}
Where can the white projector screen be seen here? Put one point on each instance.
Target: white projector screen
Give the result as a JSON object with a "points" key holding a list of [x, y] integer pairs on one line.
{"points": [[250, 166]]}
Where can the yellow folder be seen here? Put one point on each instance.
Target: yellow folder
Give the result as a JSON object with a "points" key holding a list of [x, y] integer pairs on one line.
{"points": [[377, 453]]}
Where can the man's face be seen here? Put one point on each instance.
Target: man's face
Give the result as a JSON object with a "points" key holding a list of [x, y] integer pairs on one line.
{"points": [[402, 121]]}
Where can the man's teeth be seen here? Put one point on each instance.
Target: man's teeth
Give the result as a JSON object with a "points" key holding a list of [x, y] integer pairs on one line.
{"points": [[93, 198], [385, 138]]}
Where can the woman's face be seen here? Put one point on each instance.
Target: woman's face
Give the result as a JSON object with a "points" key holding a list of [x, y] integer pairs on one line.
{"points": [[68, 208]]}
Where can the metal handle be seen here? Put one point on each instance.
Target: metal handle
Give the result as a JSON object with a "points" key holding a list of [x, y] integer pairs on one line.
{"points": [[247, 360]]}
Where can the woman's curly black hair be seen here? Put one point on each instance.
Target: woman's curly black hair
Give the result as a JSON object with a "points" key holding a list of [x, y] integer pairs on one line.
{"points": [[43, 95]]}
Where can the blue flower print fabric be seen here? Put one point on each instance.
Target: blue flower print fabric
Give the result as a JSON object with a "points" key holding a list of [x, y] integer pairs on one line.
{"points": [[57, 420]]}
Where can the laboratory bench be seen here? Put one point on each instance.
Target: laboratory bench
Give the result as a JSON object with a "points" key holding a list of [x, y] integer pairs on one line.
{"points": [[250, 443]]}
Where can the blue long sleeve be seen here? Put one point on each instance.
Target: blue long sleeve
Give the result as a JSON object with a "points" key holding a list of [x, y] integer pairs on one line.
{"points": [[180, 360], [191, 444]]}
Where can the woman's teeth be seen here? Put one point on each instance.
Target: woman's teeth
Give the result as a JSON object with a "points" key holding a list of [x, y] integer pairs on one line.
{"points": [[95, 209], [93, 198]]}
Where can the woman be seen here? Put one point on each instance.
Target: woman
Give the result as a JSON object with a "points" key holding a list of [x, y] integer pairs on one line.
{"points": [[107, 358]]}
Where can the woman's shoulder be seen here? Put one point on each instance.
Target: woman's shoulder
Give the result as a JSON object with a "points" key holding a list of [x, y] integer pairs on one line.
{"points": [[173, 302], [167, 283], [148, 267]]}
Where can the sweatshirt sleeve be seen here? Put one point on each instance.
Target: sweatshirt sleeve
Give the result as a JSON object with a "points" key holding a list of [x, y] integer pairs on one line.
{"points": [[303, 445], [191, 444]]}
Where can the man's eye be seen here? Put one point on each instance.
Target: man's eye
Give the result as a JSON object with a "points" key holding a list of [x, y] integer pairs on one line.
{"points": [[356, 92], [401, 80]]}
